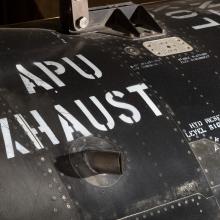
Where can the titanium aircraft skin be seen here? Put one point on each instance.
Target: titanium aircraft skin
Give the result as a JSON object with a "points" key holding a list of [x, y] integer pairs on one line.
{"points": [[150, 103]]}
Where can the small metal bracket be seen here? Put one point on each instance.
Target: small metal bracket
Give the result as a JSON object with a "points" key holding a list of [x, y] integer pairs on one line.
{"points": [[80, 13], [74, 14]]}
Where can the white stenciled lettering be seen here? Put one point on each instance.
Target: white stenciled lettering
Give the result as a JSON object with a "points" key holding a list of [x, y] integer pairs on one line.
{"points": [[181, 14], [9, 148], [71, 126], [20, 148], [7, 138], [216, 139], [68, 130], [205, 4], [135, 117], [211, 23], [214, 12], [30, 80], [214, 126], [212, 119], [110, 121], [31, 132], [217, 5], [76, 126], [97, 72], [44, 128], [195, 124], [161, 8], [195, 132], [50, 74], [140, 89], [59, 67], [209, 4]]}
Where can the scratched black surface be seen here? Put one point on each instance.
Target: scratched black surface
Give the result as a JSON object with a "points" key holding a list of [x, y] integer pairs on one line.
{"points": [[159, 163]]}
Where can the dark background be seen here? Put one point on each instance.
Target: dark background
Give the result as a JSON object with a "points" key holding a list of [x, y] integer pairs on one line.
{"points": [[14, 11]]}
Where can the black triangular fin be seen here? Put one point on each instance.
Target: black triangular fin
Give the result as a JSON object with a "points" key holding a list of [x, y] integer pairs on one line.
{"points": [[119, 22], [141, 18]]}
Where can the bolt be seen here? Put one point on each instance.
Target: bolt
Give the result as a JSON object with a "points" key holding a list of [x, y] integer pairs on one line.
{"points": [[132, 51], [82, 22]]}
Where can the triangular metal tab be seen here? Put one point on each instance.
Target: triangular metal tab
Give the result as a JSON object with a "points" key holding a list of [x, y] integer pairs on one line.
{"points": [[119, 22], [142, 19]]}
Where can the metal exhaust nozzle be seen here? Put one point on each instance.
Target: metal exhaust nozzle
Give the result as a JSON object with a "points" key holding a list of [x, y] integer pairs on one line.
{"points": [[103, 162]]}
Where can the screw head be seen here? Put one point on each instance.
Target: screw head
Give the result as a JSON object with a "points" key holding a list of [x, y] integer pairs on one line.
{"points": [[132, 51], [82, 22]]}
